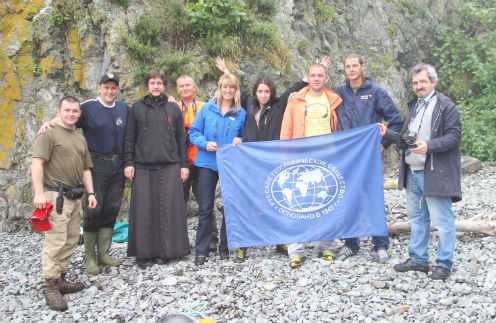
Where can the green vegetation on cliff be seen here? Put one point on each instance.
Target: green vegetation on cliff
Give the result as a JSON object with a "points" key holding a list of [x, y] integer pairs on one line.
{"points": [[465, 58], [232, 29]]}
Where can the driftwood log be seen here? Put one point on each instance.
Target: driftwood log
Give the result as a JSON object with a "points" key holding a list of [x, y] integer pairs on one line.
{"points": [[476, 224]]}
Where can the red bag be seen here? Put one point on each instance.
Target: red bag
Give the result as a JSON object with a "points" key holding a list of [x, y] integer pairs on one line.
{"points": [[40, 218]]}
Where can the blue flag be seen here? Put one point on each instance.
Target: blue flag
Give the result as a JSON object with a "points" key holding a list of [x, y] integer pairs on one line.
{"points": [[307, 189]]}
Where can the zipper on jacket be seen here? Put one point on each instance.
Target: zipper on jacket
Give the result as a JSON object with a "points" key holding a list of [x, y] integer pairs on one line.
{"points": [[228, 125], [432, 161], [216, 124], [353, 109]]}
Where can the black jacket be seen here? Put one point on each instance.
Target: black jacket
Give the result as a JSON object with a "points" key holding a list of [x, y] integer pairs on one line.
{"points": [[269, 127], [155, 134], [442, 169]]}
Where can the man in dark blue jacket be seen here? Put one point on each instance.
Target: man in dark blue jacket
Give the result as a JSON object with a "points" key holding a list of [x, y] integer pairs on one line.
{"points": [[430, 172], [365, 103], [103, 121]]}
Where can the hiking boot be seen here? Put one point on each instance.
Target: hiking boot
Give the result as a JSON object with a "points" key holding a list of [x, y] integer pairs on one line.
{"points": [[327, 255], [282, 249], [296, 261], [90, 239], [53, 297], [346, 253], [66, 287], [440, 273], [410, 265], [240, 255], [103, 245], [382, 255], [200, 260], [160, 261], [143, 263]]}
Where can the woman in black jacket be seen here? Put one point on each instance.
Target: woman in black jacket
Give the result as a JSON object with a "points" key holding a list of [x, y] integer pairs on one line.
{"points": [[264, 113]]}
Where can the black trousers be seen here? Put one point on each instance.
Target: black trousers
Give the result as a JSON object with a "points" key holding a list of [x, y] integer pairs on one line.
{"points": [[108, 182]]}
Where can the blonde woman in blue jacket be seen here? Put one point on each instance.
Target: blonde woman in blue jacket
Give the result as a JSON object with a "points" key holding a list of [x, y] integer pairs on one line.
{"points": [[219, 122]]}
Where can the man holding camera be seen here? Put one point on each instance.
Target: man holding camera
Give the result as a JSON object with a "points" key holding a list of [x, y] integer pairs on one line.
{"points": [[60, 172], [430, 172], [365, 103]]}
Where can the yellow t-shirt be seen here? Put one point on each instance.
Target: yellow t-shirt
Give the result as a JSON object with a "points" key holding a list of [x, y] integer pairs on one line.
{"points": [[317, 116]]}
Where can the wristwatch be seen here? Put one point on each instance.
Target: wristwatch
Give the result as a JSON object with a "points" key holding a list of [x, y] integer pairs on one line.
{"points": [[92, 193]]}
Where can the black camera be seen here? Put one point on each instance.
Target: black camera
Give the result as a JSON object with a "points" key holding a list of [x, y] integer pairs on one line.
{"points": [[409, 138]]}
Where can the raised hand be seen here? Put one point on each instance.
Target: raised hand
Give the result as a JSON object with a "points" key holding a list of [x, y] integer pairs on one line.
{"points": [[221, 65], [326, 61]]}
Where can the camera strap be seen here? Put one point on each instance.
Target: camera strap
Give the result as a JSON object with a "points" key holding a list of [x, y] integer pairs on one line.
{"points": [[418, 107]]}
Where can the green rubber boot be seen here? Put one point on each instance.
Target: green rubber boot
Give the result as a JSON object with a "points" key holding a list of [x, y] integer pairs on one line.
{"points": [[104, 243], [90, 239]]}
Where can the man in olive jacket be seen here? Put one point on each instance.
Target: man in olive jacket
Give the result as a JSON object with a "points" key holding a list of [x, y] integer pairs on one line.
{"points": [[430, 172]]}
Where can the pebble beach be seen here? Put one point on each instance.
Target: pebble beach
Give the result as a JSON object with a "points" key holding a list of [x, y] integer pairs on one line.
{"points": [[264, 288]]}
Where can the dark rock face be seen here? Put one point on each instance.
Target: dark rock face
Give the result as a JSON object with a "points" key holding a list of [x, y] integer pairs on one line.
{"points": [[391, 37]]}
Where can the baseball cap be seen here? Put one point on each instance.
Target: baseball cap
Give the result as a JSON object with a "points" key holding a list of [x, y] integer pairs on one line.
{"points": [[109, 77]]}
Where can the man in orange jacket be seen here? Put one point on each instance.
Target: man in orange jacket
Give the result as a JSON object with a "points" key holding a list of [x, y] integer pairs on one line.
{"points": [[186, 88], [311, 112]]}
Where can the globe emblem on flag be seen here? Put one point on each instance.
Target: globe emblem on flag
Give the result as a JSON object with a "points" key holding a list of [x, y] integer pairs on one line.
{"points": [[304, 188]]}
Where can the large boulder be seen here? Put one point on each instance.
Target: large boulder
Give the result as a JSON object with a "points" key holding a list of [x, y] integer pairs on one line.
{"points": [[470, 165]]}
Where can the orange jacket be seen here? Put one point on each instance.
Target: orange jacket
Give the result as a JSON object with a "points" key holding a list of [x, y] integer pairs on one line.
{"points": [[293, 123], [189, 115]]}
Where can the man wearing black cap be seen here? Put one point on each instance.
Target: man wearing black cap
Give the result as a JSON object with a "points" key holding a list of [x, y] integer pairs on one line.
{"points": [[103, 121]]}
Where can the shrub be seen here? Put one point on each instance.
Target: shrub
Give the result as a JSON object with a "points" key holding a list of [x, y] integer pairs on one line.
{"points": [[62, 17], [37, 70], [303, 47], [175, 65], [149, 30], [228, 47], [137, 49], [263, 39], [41, 6], [221, 17], [324, 12], [465, 55], [266, 9], [124, 3], [178, 27], [140, 73]]}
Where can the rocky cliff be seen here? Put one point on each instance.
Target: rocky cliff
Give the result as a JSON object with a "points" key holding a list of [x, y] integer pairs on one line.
{"points": [[54, 48]]}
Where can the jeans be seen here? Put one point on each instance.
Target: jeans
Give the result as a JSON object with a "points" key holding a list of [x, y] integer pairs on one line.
{"points": [[108, 183], [379, 242], [192, 184], [421, 210], [207, 183]]}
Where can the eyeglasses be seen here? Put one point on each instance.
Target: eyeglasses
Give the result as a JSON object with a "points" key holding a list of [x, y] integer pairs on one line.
{"points": [[420, 83]]}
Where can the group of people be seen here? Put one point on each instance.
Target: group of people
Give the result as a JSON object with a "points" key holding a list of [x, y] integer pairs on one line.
{"points": [[165, 148]]}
